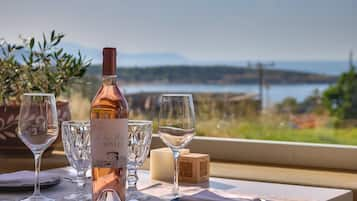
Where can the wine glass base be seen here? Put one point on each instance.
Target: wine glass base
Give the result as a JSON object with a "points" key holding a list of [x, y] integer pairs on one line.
{"points": [[137, 196], [171, 197], [77, 180], [38, 198], [78, 196]]}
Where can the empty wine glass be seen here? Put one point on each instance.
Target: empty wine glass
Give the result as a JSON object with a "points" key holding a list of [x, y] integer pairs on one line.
{"points": [[140, 132], [176, 127], [38, 129], [76, 143]]}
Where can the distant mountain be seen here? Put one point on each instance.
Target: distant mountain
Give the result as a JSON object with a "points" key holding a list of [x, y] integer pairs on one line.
{"points": [[91, 53], [151, 59], [160, 59], [130, 59], [172, 59]]}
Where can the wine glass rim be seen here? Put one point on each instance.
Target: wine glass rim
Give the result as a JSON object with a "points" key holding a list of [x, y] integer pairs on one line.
{"points": [[142, 122], [177, 94], [38, 94], [76, 122]]}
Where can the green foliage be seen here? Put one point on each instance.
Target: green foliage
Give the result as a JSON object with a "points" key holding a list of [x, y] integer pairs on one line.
{"points": [[37, 66], [311, 104], [341, 99], [288, 105]]}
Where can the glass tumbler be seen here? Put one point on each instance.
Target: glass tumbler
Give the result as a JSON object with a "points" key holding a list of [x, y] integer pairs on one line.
{"points": [[140, 132], [76, 143]]}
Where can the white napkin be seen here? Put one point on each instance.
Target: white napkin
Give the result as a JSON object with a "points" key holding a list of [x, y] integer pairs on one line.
{"points": [[207, 195], [194, 193], [24, 178]]}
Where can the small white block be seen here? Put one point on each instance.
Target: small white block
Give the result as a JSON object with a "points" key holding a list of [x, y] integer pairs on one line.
{"points": [[162, 164]]}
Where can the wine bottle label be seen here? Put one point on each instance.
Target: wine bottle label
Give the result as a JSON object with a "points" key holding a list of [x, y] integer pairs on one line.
{"points": [[109, 142]]}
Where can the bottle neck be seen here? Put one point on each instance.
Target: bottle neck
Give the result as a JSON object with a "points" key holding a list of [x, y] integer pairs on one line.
{"points": [[109, 79]]}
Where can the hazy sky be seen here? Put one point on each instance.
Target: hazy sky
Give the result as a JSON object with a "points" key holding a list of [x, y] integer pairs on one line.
{"points": [[197, 29]]}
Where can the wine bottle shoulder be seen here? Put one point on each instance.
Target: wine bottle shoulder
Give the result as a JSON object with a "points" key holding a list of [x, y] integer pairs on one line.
{"points": [[109, 102]]}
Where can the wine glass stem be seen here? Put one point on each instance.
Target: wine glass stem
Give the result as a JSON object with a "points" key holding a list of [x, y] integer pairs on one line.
{"points": [[132, 178], [37, 173], [175, 189], [81, 180]]}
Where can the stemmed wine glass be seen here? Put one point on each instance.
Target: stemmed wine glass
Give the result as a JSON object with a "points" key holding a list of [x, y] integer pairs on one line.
{"points": [[38, 129], [176, 127], [76, 144]]}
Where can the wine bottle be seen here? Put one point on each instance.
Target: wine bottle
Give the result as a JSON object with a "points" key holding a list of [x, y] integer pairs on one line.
{"points": [[109, 132]]}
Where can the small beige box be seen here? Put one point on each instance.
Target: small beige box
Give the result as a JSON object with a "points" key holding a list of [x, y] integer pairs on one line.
{"points": [[162, 164], [194, 168]]}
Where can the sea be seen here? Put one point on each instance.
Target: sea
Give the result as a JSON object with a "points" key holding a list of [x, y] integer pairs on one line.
{"points": [[320, 67], [271, 94]]}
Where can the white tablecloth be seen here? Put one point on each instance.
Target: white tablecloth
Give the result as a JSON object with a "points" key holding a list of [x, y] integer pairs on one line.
{"points": [[224, 187]]}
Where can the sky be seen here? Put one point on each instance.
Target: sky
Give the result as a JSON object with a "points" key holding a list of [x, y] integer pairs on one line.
{"points": [[224, 30]]}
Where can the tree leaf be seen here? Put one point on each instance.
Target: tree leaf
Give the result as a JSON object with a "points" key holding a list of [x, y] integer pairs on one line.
{"points": [[57, 41], [19, 47], [52, 35], [44, 41], [3, 51], [59, 52], [39, 45], [32, 42], [25, 60]]}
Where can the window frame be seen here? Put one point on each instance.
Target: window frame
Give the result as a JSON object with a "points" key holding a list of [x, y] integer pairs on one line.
{"points": [[297, 154]]}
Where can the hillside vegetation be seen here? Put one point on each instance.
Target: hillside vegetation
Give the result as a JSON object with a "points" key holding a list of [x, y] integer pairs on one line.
{"points": [[212, 75]]}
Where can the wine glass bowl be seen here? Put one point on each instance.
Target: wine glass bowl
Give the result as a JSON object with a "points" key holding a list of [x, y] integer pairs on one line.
{"points": [[38, 129], [176, 127], [76, 144], [176, 138], [38, 124], [176, 120]]}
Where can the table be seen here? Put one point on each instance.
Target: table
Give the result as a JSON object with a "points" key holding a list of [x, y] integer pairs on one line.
{"points": [[268, 191]]}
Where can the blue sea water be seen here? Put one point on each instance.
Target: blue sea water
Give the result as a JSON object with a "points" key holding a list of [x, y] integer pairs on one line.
{"points": [[320, 67], [273, 94]]}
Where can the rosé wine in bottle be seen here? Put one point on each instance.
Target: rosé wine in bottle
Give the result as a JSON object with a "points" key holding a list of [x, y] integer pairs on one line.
{"points": [[109, 132]]}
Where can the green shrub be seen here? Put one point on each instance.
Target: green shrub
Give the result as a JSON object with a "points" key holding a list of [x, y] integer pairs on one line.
{"points": [[37, 66]]}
